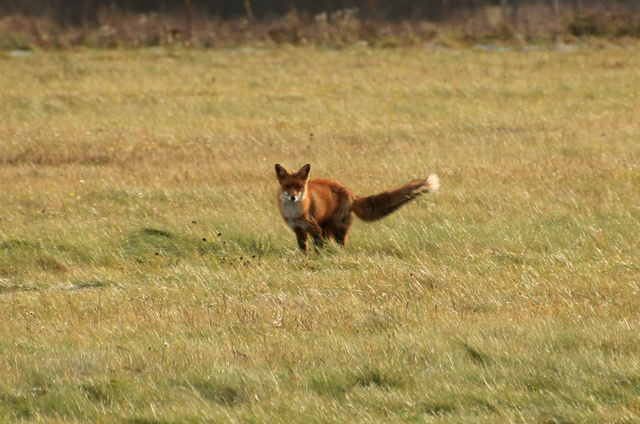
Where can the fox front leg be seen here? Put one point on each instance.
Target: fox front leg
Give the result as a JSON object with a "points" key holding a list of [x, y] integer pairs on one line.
{"points": [[302, 236], [316, 232]]}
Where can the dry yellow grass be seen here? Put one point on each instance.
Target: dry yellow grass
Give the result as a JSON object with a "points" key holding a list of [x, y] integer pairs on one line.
{"points": [[145, 275]]}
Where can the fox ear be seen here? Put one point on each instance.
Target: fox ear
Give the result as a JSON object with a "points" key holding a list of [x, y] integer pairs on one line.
{"points": [[280, 171], [304, 171]]}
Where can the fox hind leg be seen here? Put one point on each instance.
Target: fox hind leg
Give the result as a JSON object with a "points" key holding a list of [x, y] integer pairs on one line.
{"points": [[341, 234], [339, 230], [342, 222], [317, 233]]}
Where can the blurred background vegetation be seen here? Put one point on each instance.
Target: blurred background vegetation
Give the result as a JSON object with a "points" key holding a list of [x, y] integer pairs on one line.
{"points": [[29, 24]]}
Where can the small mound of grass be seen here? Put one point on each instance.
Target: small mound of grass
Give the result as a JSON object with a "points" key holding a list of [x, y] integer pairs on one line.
{"points": [[437, 408], [217, 391], [104, 391], [146, 244], [331, 384], [475, 354], [374, 377], [19, 255], [92, 284], [340, 383]]}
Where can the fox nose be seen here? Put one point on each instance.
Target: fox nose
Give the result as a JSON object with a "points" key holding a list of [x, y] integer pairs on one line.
{"points": [[293, 198]]}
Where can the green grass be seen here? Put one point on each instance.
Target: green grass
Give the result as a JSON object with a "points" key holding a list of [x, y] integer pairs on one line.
{"points": [[146, 277]]}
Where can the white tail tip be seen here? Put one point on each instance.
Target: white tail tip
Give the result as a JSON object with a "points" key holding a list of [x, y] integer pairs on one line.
{"points": [[433, 182]]}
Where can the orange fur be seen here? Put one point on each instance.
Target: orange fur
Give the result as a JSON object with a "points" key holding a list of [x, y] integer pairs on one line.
{"points": [[322, 208]]}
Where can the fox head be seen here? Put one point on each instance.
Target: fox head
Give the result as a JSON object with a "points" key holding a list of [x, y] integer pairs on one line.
{"points": [[293, 186]]}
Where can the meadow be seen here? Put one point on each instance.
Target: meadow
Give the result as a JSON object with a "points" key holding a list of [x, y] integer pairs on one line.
{"points": [[146, 276]]}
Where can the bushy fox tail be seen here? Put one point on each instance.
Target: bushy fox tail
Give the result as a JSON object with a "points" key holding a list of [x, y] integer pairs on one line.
{"points": [[372, 208]]}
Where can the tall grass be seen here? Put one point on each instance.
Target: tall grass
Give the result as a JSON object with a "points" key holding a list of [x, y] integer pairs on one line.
{"points": [[145, 275], [536, 23]]}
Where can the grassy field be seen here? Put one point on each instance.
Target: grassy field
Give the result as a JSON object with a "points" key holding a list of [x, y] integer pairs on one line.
{"points": [[146, 276]]}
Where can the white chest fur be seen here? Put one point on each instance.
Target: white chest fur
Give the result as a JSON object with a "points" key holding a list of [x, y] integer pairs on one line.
{"points": [[292, 213]]}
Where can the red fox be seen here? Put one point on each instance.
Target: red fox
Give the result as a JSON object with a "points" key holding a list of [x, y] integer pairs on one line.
{"points": [[323, 207]]}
